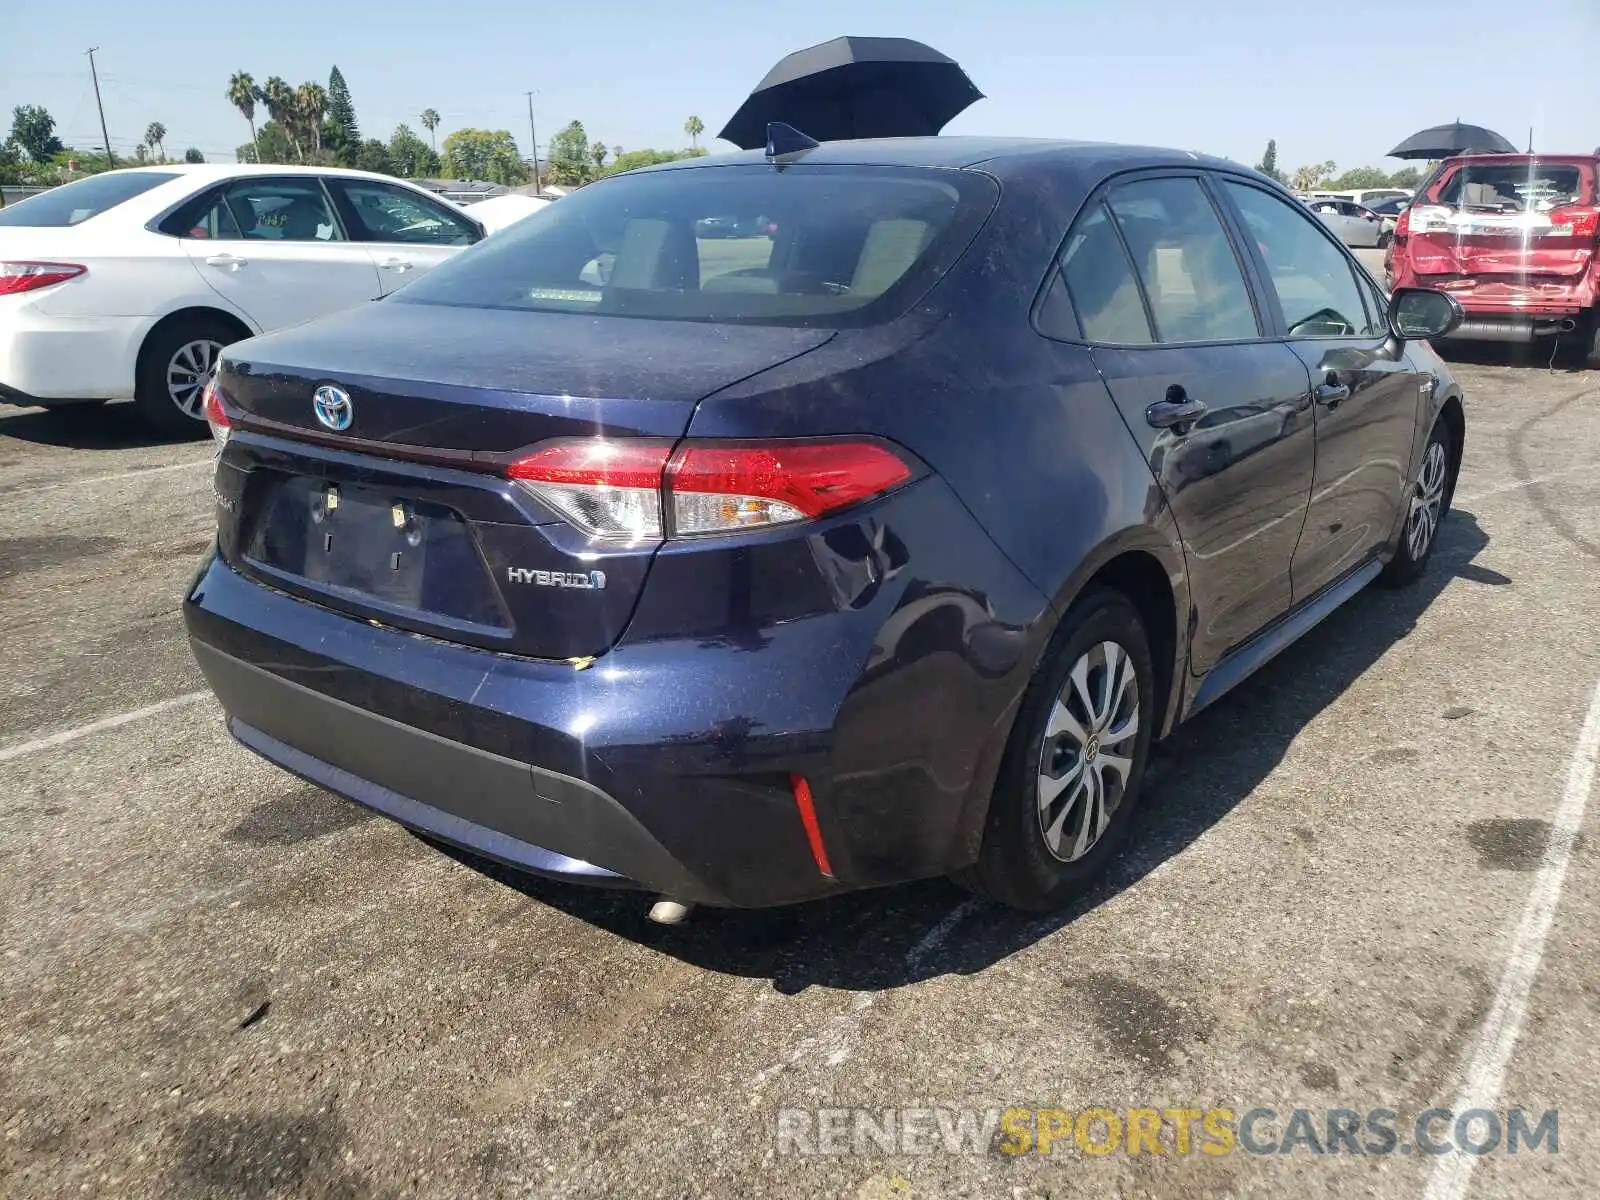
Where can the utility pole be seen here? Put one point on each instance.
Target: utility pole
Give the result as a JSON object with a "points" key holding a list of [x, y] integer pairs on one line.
{"points": [[95, 75], [533, 138]]}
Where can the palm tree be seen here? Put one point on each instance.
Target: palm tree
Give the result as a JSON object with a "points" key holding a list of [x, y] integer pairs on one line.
{"points": [[430, 122], [155, 135], [311, 105], [598, 152], [242, 95], [694, 127], [278, 96]]}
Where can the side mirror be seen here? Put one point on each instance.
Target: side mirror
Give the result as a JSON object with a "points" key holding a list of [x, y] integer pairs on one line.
{"points": [[1421, 313]]}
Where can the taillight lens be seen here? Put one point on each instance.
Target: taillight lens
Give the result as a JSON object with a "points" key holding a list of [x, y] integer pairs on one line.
{"points": [[30, 276], [614, 490], [718, 489], [215, 415], [609, 489], [1576, 222], [1402, 226]]}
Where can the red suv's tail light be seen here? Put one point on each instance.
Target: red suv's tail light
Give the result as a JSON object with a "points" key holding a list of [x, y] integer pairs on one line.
{"points": [[1402, 226], [627, 490], [216, 416], [30, 276], [1580, 222]]}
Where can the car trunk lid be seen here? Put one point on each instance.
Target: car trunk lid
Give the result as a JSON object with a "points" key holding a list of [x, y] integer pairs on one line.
{"points": [[405, 515]]}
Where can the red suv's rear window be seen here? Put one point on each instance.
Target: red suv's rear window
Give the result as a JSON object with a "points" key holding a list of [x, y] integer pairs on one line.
{"points": [[1514, 184]]}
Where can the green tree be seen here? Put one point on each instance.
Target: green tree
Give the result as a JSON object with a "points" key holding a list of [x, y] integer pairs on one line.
{"points": [[242, 95], [155, 136], [272, 145], [410, 156], [694, 127], [193, 155], [430, 122], [569, 156], [598, 151], [632, 160], [310, 106], [1406, 177], [1359, 177], [10, 161], [373, 155], [1269, 161], [340, 132], [1312, 175], [34, 129], [278, 96], [480, 154]]}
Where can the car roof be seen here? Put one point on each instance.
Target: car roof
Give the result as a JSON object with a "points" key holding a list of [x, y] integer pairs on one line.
{"points": [[996, 154], [205, 172], [1523, 159]]}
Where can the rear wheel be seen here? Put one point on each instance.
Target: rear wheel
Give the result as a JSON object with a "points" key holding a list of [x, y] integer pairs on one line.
{"points": [[1591, 357], [173, 368], [1430, 502], [1070, 780]]}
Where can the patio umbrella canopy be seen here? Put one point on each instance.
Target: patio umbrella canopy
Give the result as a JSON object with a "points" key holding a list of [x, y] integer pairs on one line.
{"points": [[1441, 141], [855, 87]]}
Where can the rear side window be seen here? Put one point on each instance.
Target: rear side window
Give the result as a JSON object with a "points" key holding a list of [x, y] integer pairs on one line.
{"points": [[75, 203], [1100, 283], [1183, 256], [826, 246]]}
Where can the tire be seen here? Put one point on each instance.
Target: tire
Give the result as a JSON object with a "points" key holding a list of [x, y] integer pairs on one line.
{"points": [[1591, 355], [1019, 864], [1430, 499], [1384, 239], [173, 366]]}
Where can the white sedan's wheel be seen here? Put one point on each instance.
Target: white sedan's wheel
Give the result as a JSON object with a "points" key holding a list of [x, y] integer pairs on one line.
{"points": [[187, 372]]}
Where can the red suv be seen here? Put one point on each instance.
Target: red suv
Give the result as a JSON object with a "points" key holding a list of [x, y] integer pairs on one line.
{"points": [[1514, 238]]}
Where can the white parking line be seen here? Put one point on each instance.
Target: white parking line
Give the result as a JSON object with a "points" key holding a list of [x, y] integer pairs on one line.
{"points": [[69, 483], [1518, 484], [8, 753], [934, 938], [1486, 1071]]}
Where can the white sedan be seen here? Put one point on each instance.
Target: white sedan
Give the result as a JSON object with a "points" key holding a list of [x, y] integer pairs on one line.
{"points": [[129, 283], [1350, 223]]}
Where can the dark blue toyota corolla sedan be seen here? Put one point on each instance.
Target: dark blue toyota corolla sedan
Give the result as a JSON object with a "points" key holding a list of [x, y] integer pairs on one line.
{"points": [[753, 529]]}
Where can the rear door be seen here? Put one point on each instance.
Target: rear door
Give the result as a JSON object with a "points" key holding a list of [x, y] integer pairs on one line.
{"points": [[1367, 391], [407, 233], [275, 248], [1220, 408]]}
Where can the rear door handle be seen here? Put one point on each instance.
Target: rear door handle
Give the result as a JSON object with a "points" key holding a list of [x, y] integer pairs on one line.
{"points": [[1331, 393], [232, 261], [1177, 412], [401, 265]]}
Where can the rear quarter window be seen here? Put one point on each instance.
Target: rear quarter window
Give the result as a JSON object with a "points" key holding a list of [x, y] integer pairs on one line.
{"points": [[827, 246], [75, 203]]}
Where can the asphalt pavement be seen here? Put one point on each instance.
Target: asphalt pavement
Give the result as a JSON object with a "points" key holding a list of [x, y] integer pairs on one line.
{"points": [[1366, 880]]}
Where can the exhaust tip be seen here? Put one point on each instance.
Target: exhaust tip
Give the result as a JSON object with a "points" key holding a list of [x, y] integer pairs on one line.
{"points": [[670, 912]]}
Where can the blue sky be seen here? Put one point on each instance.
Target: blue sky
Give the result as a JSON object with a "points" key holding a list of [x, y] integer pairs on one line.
{"points": [[1335, 79]]}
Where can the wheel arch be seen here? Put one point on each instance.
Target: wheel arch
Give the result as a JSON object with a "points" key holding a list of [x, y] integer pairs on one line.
{"points": [[189, 313]]}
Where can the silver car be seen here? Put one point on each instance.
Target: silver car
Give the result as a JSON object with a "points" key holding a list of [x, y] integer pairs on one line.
{"points": [[1351, 224]]}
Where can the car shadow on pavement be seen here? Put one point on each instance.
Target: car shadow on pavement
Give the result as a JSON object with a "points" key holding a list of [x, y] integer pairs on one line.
{"points": [[93, 427], [1563, 355], [891, 937]]}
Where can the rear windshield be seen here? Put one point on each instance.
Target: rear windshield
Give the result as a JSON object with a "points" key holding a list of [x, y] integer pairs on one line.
{"points": [[755, 244], [74, 203], [1526, 186]]}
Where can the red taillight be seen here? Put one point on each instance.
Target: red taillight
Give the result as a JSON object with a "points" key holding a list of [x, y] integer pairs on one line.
{"points": [[1582, 222], [614, 490], [30, 276], [216, 417], [716, 489], [1402, 225]]}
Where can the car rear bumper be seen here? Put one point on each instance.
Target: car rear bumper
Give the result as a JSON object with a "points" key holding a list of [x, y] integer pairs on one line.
{"points": [[668, 763], [46, 359]]}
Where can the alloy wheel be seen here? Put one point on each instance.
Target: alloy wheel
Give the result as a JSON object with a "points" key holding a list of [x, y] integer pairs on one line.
{"points": [[1427, 500], [187, 372], [1086, 758]]}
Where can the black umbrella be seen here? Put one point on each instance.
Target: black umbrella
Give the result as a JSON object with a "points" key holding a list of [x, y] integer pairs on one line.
{"points": [[855, 87], [1442, 141]]}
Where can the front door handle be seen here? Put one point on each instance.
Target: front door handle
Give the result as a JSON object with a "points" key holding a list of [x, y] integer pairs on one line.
{"points": [[1331, 392], [231, 261], [1177, 412], [400, 265]]}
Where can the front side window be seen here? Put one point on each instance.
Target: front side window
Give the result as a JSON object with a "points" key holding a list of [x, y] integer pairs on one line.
{"points": [[806, 245], [75, 203], [384, 213], [1312, 277], [280, 210], [1182, 253]]}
